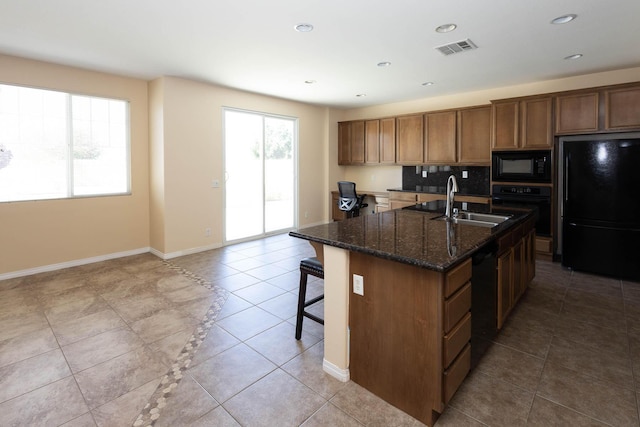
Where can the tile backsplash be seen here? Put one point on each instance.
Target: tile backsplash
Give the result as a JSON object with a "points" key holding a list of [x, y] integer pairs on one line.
{"points": [[478, 182]]}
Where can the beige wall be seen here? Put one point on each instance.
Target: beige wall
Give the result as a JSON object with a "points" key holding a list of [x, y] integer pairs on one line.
{"points": [[391, 176], [191, 141], [44, 233]]}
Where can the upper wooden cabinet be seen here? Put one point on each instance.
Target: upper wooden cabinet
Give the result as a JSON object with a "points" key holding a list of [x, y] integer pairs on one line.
{"points": [[577, 113], [388, 140], [372, 141], [357, 143], [344, 143], [440, 137], [409, 140], [622, 108], [598, 110], [366, 142], [474, 135], [522, 123]]}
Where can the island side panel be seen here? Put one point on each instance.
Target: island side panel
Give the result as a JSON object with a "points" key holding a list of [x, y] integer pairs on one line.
{"points": [[336, 312], [396, 334]]}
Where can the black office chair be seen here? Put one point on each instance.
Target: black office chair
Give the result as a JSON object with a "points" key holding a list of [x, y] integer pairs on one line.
{"points": [[349, 201]]}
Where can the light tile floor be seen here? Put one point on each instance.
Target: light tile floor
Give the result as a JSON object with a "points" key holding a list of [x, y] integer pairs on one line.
{"points": [[103, 344]]}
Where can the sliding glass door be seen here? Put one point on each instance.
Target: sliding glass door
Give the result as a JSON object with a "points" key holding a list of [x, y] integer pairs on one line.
{"points": [[259, 174]]}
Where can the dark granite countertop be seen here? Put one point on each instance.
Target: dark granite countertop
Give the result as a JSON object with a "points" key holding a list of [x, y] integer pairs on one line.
{"points": [[412, 236]]}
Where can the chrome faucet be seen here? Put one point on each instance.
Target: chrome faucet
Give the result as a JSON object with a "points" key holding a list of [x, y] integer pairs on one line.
{"points": [[452, 188]]}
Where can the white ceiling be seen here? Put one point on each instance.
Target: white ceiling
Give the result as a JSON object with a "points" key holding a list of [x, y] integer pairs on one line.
{"points": [[252, 45]]}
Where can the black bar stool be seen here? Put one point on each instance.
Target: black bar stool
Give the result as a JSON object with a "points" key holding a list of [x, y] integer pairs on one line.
{"points": [[307, 266]]}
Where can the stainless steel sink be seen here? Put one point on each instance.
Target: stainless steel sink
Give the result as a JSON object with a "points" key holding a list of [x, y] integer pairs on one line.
{"points": [[476, 219], [474, 216]]}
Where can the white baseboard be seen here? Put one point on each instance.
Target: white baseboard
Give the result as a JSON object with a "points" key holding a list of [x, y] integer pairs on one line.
{"points": [[185, 252], [336, 372], [74, 263]]}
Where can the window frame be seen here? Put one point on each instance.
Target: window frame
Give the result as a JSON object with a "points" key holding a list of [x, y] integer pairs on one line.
{"points": [[69, 152]]}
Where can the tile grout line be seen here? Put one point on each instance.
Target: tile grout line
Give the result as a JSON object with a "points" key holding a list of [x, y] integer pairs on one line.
{"points": [[158, 400]]}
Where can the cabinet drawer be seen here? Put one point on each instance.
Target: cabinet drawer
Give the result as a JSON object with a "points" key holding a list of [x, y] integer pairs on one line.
{"points": [[457, 277], [455, 340], [456, 307], [403, 197], [428, 197], [456, 373], [505, 242]]}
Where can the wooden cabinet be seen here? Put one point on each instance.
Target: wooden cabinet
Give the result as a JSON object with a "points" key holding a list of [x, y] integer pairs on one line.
{"points": [[409, 140], [515, 267], [344, 143], [622, 108], [577, 113], [356, 145], [400, 199], [522, 124], [410, 342], [440, 137], [336, 213], [388, 140], [372, 141], [367, 142], [474, 135], [458, 136], [600, 110]]}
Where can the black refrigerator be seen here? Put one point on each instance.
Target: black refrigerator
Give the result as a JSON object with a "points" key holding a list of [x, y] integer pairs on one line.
{"points": [[600, 210]]}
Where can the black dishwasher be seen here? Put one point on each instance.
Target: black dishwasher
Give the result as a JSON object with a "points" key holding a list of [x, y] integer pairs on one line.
{"points": [[484, 322]]}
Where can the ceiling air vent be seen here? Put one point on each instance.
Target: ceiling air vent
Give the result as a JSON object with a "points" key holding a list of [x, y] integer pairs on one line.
{"points": [[461, 46]]}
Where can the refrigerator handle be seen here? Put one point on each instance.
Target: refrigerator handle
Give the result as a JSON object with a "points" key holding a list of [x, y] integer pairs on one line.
{"points": [[566, 178]]}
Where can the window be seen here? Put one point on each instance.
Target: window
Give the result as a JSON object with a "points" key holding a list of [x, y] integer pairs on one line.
{"points": [[57, 145]]}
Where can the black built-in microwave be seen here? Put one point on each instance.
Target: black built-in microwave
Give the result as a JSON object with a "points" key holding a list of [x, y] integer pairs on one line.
{"points": [[521, 166]]}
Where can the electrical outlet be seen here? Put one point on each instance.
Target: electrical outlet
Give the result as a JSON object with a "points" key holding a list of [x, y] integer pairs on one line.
{"points": [[215, 183], [207, 232], [358, 284], [424, 174], [465, 174]]}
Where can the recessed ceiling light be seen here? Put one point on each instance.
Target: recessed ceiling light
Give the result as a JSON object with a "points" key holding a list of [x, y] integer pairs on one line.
{"points": [[384, 64], [564, 19], [428, 84], [309, 82], [574, 56], [446, 28], [303, 28], [361, 95]]}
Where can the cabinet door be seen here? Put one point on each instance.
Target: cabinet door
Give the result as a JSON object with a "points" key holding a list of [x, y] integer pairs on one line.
{"points": [[474, 135], [519, 270], [336, 213], [622, 108], [535, 123], [577, 113], [372, 141], [357, 142], [504, 130], [344, 143], [440, 137], [388, 140], [409, 136], [505, 285]]}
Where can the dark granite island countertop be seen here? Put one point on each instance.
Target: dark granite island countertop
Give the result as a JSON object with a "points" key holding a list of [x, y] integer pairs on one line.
{"points": [[412, 235], [405, 332]]}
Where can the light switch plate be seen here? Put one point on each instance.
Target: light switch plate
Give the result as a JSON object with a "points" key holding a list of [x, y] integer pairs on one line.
{"points": [[358, 284]]}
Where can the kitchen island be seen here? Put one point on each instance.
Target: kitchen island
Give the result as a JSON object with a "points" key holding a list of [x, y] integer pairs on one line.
{"points": [[407, 338]]}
